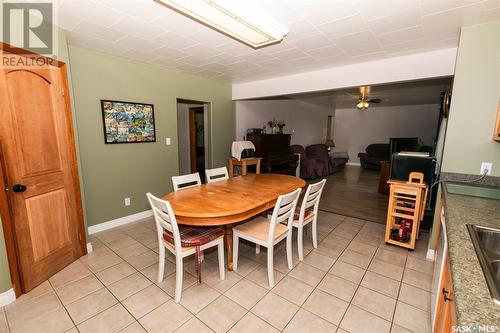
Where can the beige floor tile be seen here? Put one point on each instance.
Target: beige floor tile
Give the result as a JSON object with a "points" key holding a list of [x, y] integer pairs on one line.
{"points": [[221, 314], [328, 250], [132, 250], [280, 262], [422, 266], [357, 320], [109, 236], [135, 327], [42, 289], [418, 279], [100, 263], [308, 274], [246, 265], [32, 308], [362, 248], [335, 240], [121, 242], [415, 296], [326, 306], [293, 290], [259, 276], [355, 258], [57, 321], [165, 318], [344, 233], [398, 329], [250, 323], [129, 286], [90, 305], [115, 273], [168, 283], [338, 287], [4, 327], [305, 321], [72, 330], [214, 281], [381, 284], [373, 240], [198, 296], [113, 319], [143, 260], [151, 272], [388, 270], [374, 302], [412, 318], [246, 293], [391, 257], [194, 325], [275, 310], [347, 271], [145, 301], [75, 271], [319, 261], [78, 289]]}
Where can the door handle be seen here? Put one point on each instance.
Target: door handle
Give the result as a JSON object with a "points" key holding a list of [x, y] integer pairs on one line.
{"points": [[19, 188], [445, 295]]}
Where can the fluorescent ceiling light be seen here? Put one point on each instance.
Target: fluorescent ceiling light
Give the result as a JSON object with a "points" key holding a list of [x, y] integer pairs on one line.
{"points": [[232, 18]]}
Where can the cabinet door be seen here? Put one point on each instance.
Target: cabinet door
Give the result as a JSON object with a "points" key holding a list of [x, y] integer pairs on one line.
{"points": [[445, 315]]}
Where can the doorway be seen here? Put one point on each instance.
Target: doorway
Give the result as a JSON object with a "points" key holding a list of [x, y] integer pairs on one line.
{"points": [[192, 133]]}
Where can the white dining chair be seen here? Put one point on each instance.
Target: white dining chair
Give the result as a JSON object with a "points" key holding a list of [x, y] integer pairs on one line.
{"points": [[307, 213], [217, 174], [269, 232], [186, 181], [183, 241]]}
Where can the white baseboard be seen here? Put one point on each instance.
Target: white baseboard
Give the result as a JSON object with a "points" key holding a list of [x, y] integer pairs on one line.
{"points": [[353, 163], [430, 254], [89, 247], [119, 221], [7, 297]]}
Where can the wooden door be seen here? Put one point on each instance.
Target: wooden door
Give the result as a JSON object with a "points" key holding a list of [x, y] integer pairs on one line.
{"points": [[40, 175], [445, 313]]}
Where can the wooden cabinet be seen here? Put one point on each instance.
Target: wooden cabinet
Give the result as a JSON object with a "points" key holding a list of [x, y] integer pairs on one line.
{"points": [[496, 133], [445, 313]]}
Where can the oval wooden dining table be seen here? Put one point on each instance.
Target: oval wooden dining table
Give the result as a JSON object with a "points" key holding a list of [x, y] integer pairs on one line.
{"points": [[229, 202]]}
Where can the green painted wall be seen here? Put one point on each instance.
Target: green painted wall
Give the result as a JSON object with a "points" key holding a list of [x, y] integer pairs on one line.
{"points": [[476, 94], [5, 282], [115, 171]]}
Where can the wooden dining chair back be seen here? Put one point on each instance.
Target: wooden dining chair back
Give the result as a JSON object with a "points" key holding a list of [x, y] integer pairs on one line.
{"points": [[182, 241], [307, 213], [186, 181], [217, 174], [269, 232]]}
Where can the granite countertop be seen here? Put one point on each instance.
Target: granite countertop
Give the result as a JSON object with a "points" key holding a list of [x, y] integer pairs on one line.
{"points": [[474, 305]]}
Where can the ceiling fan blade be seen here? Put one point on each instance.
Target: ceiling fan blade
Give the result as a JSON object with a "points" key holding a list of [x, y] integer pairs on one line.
{"points": [[374, 100]]}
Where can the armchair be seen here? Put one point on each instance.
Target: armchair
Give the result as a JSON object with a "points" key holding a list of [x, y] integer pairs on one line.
{"points": [[308, 166], [375, 153]]}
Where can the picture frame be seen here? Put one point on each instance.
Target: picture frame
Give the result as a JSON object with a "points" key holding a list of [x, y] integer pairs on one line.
{"points": [[127, 122]]}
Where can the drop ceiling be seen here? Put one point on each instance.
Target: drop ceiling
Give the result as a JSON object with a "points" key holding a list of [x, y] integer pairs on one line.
{"points": [[322, 33]]}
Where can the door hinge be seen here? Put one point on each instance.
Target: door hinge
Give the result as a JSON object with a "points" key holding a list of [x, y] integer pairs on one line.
{"points": [[62, 91]]}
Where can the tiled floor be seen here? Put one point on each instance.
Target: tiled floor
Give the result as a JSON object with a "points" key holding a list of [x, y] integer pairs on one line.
{"points": [[352, 283]]}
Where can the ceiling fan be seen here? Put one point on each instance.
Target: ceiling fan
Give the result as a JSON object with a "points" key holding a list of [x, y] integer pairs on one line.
{"points": [[364, 100]]}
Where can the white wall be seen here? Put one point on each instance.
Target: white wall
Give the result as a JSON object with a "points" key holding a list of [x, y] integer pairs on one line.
{"points": [[305, 121], [354, 130]]}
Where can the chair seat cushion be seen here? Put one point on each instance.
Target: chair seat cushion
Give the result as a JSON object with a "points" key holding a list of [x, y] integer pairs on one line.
{"points": [[194, 236], [258, 227], [307, 214]]}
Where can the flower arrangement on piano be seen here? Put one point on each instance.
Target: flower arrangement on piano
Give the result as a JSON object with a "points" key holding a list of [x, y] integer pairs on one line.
{"points": [[276, 126]]}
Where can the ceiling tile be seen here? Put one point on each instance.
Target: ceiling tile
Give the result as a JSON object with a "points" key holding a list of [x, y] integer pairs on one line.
{"points": [[138, 43], [290, 54], [372, 10], [177, 23], [138, 28], [173, 40], [107, 47], [77, 39], [346, 26], [98, 31], [393, 23], [400, 36], [140, 9], [90, 11], [210, 37], [202, 51], [433, 7], [324, 52], [195, 60], [312, 42], [142, 56], [300, 29], [318, 13], [225, 59], [169, 53], [358, 44]]}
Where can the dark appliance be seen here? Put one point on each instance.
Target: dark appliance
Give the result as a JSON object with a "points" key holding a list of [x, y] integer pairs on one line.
{"points": [[397, 145]]}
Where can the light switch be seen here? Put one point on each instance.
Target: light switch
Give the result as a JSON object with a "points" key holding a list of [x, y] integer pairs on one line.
{"points": [[168, 142]]}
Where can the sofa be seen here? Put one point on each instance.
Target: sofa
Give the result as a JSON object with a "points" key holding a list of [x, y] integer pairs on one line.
{"points": [[309, 166], [375, 153]]}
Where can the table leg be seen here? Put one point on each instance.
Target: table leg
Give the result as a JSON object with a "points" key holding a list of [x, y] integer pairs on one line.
{"points": [[257, 167], [228, 242], [231, 168], [244, 168]]}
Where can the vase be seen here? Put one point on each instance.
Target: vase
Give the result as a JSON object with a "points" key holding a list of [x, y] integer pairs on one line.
{"points": [[274, 129]]}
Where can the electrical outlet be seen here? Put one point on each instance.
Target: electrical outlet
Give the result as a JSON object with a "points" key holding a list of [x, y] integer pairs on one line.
{"points": [[486, 168], [168, 142], [127, 201]]}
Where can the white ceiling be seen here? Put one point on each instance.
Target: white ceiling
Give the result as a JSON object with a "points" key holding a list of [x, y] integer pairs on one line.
{"points": [[392, 94], [322, 33]]}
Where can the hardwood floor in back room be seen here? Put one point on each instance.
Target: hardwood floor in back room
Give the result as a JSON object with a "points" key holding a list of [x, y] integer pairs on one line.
{"points": [[354, 192]]}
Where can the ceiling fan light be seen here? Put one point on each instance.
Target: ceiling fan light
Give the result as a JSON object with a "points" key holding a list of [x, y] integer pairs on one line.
{"points": [[360, 105], [365, 105]]}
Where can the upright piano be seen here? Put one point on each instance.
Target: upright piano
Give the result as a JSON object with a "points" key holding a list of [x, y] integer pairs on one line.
{"points": [[277, 156]]}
